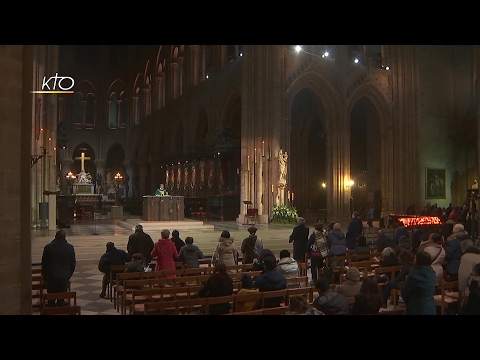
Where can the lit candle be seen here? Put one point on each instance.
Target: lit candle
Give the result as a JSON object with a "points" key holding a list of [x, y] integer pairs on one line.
{"points": [[288, 194], [255, 156], [292, 195], [272, 188], [263, 148], [248, 162]]}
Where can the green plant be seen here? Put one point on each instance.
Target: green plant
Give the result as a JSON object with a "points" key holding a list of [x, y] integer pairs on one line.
{"points": [[284, 214]]}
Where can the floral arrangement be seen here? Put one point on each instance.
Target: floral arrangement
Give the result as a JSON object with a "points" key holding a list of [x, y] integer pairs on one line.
{"points": [[284, 214]]}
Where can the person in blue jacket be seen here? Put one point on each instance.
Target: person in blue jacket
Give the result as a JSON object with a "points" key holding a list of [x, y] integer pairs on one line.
{"points": [[354, 230]]}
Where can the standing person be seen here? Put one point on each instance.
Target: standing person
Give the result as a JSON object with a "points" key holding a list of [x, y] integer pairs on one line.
{"points": [[437, 253], [470, 257], [317, 250], [417, 234], [179, 243], [165, 252], [368, 301], [140, 242], [370, 216], [336, 241], [354, 230], [472, 302], [403, 244], [419, 287], [58, 265], [453, 251], [112, 256], [161, 191], [225, 252], [299, 237], [190, 254], [401, 230], [219, 283], [248, 246]]}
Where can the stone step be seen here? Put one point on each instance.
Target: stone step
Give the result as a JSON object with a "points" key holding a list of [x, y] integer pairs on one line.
{"points": [[186, 224]]}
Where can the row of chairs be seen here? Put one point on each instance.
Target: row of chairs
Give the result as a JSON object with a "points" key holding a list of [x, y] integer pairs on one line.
{"points": [[177, 287], [136, 292], [178, 272], [70, 307], [197, 305]]}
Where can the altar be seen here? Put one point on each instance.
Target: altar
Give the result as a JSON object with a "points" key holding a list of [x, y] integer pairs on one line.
{"points": [[163, 208]]}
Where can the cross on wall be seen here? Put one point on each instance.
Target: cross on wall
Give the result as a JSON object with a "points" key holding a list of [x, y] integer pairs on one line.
{"points": [[82, 160]]}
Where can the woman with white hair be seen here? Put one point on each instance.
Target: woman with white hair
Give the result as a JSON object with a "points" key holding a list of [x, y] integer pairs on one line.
{"points": [[453, 251]]}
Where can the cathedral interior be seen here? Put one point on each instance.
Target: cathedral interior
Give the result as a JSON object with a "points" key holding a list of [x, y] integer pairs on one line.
{"points": [[326, 129]]}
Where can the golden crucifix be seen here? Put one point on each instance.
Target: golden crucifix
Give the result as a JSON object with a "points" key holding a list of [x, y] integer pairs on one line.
{"points": [[82, 159]]}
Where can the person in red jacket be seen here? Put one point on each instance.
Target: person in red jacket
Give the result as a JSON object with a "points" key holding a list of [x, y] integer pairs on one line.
{"points": [[165, 252]]}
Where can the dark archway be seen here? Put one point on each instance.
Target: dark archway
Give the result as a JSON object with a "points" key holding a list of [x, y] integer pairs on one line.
{"points": [[365, 157], [308, 167], [115, 162]]}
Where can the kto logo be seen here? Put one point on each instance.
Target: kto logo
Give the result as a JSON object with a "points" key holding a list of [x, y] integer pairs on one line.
{"points": [[59, 85]]}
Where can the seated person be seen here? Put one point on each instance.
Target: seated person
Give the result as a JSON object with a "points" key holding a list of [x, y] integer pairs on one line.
{"points": [[361, 247], [406, 259], [288, 266], [220, 283], [299, 306], [270, 279], [384, 241], [352, 283], [136, 264], [329, 301], [368, 301], [247, 288]]}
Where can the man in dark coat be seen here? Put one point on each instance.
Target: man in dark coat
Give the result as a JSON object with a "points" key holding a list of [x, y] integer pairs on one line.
{"points": [[270, 279], [58, 265], [299, 237], [140, 242], [354, 230], [179, 243], [112, 256]]}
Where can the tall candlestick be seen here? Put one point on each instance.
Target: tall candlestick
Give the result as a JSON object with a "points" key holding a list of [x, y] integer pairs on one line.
{"points": [[248, 162], [263, 148]]}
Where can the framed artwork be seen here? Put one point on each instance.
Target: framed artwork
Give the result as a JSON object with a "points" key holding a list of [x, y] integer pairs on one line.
{"points": [[435, 183]]}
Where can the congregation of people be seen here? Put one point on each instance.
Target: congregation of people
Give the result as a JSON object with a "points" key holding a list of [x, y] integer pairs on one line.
{"points": [[427, 257]]}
